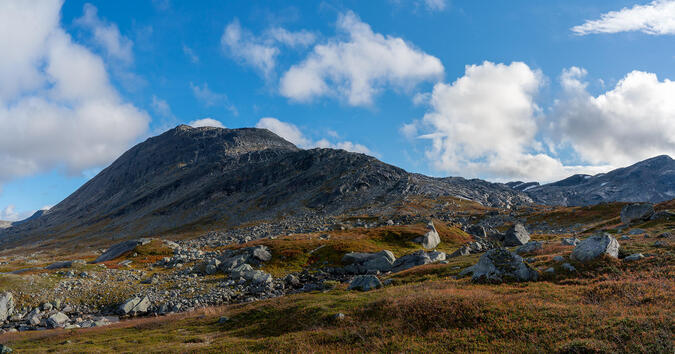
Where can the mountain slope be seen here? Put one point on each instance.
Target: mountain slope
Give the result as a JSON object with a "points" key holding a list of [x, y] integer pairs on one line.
{"points": [[228, 177], [651, 180]]}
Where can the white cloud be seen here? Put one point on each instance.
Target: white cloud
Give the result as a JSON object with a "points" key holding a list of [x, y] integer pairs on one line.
{"points": [[106, 35], [285, 130], [206, 122], [633, 121], [301, 38], [57, 106], [190, 54], [357, 67], [656, 18], [293, 134], [486, 124], [210, 98], [435, 5], [9, 214]]}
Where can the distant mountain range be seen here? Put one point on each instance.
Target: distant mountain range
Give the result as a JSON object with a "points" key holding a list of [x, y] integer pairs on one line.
{"points": [[651, 180], [229, 177]]}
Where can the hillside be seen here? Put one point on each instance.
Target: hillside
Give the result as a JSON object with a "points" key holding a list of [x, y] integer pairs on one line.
{"points": [[212, 178]]}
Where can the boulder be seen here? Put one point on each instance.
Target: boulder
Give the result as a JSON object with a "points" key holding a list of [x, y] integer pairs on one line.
{"points": [[120, 249], [478, 246], [239, 271], [59, 265], [636, 212], [662, 215], [595, 247], [568, 267], [365, 283], [517, 235], [559, 259], [477, 231], [258, 277], [6, 306], [5, 349], [570, 241], [499, 265], [134, 306], [261, 253], [634, 257], [57, 320], [381, 261], [637, 232], [529, 247], [431, 239], [417, 259]]}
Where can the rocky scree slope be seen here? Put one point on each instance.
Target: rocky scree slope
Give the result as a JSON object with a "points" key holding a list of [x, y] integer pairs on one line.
{"points": [[651, 180], [217, 177]]}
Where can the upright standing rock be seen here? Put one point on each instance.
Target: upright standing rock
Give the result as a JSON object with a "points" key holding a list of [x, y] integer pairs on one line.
{"points": [[595, 247], [6, 306], [517, 235], [431, 239]]}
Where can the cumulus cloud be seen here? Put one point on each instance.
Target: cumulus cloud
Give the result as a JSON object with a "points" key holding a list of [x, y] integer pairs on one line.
{"points": [[357, 66], [633, 121], [206, 122], [260, 52], [435, 5], [57, 106], [9, 214], [106, 35], [194, 58], [292, 133], [656, 18]]}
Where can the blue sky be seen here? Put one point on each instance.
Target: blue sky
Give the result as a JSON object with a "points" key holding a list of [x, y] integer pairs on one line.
{"points": [[501, 90]]}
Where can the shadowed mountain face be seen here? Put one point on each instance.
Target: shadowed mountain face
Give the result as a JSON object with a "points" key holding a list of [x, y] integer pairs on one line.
{"points": [[652, 180], [227, 177]]}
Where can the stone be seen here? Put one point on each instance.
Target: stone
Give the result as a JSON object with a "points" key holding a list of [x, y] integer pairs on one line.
{"points": [[223, 319], [411, 260], [529, 247], [659, 244], [517, 235], [478, 246], [634, 257], [258, 277], [431, 239], [5, 349], [550, 270], [625, 237], [570, 241], [56, 320], [390, 222], [662, 215], [119, 249], [665, 235], [636, 212], [499, 265], [477, 231], [134, 306], [6, 306], [595, 247], [238, 272], [559, 259], [292, 280], [262, 253], [381, 261], [339, 316], [365, 283], [568, 267]]}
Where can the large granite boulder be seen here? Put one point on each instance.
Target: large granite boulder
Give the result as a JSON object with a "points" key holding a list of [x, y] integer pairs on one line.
{"points": [[417, 259], [596, 246], [529, 247], [517, 235], [6, 306], [499, 265], [636, 212], [365, 283], [358, 262], [431, 239], [134, 306], [57, 320]]}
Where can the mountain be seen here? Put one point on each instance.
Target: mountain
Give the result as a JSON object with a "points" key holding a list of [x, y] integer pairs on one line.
{"points": [[651, 180], [5, 224], [229, 177]]}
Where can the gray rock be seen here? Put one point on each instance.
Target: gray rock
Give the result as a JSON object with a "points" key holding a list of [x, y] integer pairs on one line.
{"points": [[56, 320], [634, 257], [595, 247], [120, 249], [381, 261], [550, 270], [517, 235], [478, 246], [625, 237], [568, 267], [636, 212], [559, 259], [431, 239], [477, 231], [59, 265], [223, 319], [637, 232], [239, 271], [262, 253], [5, 349], [570, 241], [662, 215], [665, 235], [529, 247], [134, 306], [499, 265], [411, 260], [365, 283], [659, 244], [6, 306]]}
